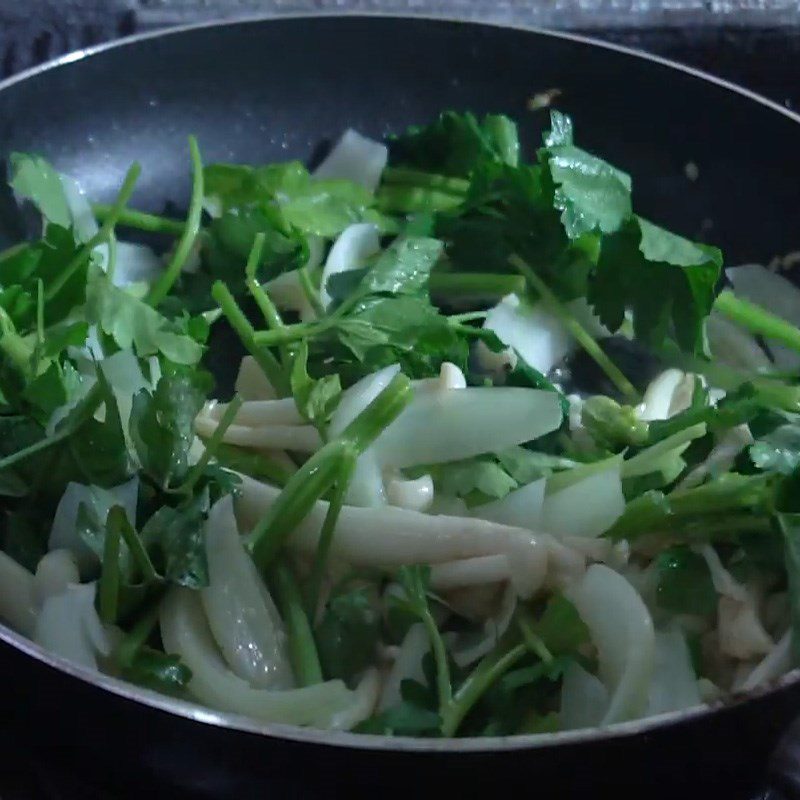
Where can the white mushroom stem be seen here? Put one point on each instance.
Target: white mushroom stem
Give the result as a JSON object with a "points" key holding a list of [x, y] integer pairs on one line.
{"points": [[302, 438], [391, 537], [255, 413], [470, 572], [773, 665]]}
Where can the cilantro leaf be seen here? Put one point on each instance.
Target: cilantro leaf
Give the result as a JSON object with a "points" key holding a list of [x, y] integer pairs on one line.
{"points": [[347, 635], [156, 670], [130, 321], [175, 538], [34, 179], [640, 256], [778, 450], [456, 143], [162, 424], [315, 399]]}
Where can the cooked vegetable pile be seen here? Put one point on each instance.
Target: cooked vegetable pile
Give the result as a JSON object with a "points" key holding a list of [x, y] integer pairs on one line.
{"points": [[502, 456]]}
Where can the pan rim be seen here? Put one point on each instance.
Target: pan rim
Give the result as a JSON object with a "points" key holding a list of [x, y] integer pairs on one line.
{"points": [[342, 739]]}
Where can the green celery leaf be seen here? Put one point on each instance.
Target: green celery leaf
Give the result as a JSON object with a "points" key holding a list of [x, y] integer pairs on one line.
{"points": [[156, 670], [35, 179], [640, 256], [404, 719], [455, 144], [348, 634], [684, 582], [778, 451], [131, 322], [175, 538], [560, 627], [162, 424], [591, 194]]}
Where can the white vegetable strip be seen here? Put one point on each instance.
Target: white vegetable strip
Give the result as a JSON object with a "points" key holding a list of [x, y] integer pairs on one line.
{"points": [[185, 633], [407, 665], [366, 485], [674, 683], [252, 383], [64, 534], [773, 665], [355, 158], [448, 426], [287, 292], [55, 571], [584, 699], [587, 508], [535, 333], [658, 397], [68, 626], [240, 612], [391, 537], [302, 438], [354, 246], [721, 457], [255, 413], [17, 595], [355, 399], [470, 572], [622, 631], [415, 495], [521, 508], [469, 649]]}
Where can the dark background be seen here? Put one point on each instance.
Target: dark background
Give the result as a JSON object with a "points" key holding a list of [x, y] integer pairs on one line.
{"points": [[756, 44], [753, 42]]}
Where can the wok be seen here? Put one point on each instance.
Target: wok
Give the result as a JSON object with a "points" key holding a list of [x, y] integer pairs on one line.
{"points": [[266, 90]]}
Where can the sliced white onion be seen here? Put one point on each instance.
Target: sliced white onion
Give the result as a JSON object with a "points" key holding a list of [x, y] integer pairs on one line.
{"points": [[622, 630], [777, 294], [658, 397], [366, 486], [355, 399], [355, 158], [252, 383], [407, 666], [674, 684], [521, 508], [55, 571], [64, 532], [136, 263], [68, 626], [240, 612], [584, 699], [587, 508], [392, 537], [17, 595], [535, 333], [450, 426], [185, 632], [352, 248]]}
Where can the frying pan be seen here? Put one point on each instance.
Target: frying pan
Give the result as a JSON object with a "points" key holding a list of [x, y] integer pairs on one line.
{"points": [[263, 90]]}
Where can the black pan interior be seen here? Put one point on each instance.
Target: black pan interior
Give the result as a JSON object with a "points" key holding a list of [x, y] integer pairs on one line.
{"points": [[262, 91]]}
